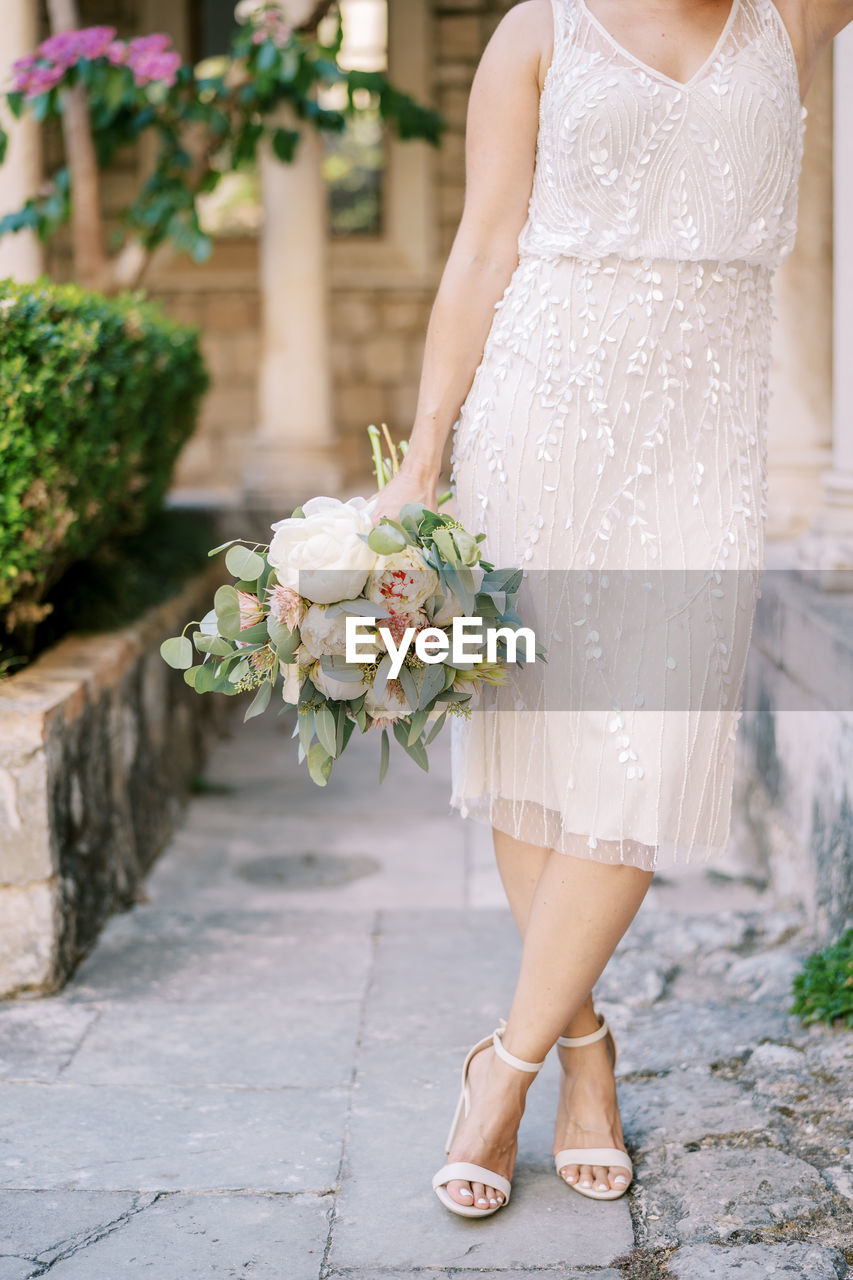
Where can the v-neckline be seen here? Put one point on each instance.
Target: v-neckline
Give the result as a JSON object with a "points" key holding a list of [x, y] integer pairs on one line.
{"points": [[653, 71]]}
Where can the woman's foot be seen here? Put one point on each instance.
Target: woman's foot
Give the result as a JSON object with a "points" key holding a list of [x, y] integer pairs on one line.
{"points": [[588, 1115], [489, 1134]]}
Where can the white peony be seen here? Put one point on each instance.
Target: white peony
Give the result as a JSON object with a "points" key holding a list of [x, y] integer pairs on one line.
{"points": [[322, 556], [338, 690], [390, 707], [403, 581], [321, 634]]}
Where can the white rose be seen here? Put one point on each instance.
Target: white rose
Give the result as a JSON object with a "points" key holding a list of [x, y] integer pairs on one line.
{"points": [[322, 556], [390, 707], [337, 690], [403, 581], [321, 634]]}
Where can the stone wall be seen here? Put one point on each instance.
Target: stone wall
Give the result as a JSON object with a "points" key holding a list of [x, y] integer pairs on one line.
{"points": [[794, 789], [99, 743]]}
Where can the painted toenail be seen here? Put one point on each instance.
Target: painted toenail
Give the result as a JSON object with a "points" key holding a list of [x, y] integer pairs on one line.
{"points": [[482, 1200], [492, 1201], [466, 1193], [586, 1183], [571, 1177], [620, 1181], [602, 1186]]}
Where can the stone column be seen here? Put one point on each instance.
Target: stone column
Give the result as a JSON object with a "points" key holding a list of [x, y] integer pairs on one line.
{"points": [[800, 418], [828, 547], [292, 456], [21, 172]]}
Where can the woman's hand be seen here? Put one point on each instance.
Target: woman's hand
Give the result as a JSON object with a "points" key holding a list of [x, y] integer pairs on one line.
{"points": [[401, 489]]}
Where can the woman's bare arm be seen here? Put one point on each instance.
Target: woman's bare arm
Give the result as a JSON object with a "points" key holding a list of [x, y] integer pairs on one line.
{"points": [[812, 24], [503, 121]]}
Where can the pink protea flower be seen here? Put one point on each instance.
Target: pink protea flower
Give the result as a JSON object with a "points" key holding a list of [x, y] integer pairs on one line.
{"points": [[251, 610], [263, 660], [286, 606]]}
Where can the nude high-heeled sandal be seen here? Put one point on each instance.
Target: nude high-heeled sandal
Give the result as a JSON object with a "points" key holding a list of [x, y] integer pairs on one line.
{"points": [[605, 1156], [462, 1170]]}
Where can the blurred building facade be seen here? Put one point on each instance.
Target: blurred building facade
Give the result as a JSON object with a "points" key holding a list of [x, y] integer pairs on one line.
{"points": [[314, 314]]}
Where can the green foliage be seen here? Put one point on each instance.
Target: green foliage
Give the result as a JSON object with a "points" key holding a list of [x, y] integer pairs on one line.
{"points": [[823, 989], [206, 125], [97, 397]]}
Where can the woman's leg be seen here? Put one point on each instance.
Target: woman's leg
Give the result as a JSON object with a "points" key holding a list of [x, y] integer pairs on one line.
{"points": [[572, 913]]}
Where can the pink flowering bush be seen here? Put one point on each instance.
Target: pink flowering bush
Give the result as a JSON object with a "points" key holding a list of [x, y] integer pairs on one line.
{"points": [[205, 125], [150, 59]]}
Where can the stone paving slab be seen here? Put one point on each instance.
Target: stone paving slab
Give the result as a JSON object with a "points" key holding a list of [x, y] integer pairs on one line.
{"points": [[39, 1037], [419, 1021], [44, 1225], [415, 858], [272, 1042], [758, 1262], [182, 1237], [64, 1137], [476, 1273], [14, 1268], [162, 955]]}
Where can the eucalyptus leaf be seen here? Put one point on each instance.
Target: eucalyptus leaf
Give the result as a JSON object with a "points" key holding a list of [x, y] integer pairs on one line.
{"points": [[205, 681], [306, 729], [212, 644], [227, 605], [410, 688], [260, 702], [380, 680], [436, 729], [241, 562], [384, 755], [326, 728], [177, 651], [433, 683], [417, 723], [319, 764]]}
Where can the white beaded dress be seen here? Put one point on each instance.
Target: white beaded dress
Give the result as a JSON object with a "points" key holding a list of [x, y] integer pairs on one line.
{"points": [[613, 441]]}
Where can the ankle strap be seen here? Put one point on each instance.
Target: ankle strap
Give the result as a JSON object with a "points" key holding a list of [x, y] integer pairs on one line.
{"points": [[577, 1042], [510, 1058]]}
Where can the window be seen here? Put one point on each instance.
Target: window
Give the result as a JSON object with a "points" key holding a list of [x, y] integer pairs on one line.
{"points": [[356, 159]]}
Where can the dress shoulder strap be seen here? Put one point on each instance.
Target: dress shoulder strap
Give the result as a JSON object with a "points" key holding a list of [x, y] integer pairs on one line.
{"points": [[565, 15]]}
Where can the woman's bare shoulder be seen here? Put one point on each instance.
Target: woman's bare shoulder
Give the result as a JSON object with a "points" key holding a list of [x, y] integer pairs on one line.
{"points": [[526, 32]]}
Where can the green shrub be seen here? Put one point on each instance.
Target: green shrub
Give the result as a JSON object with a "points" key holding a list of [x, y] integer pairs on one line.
{"points": [[97, 397], [823, 990]]}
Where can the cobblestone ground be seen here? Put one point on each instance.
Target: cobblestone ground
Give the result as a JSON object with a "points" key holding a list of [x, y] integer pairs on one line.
{"points": [[253, 1073]]}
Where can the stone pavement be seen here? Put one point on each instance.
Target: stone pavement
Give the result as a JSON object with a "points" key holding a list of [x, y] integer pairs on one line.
{"points": [[253, 1073]]}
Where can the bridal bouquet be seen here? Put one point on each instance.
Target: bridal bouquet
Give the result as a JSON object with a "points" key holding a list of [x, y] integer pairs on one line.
{"points": [[394, 627]]}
